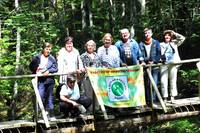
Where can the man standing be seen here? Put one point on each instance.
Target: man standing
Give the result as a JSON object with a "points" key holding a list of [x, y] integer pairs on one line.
{"points": [[130, 53], [151, 53]]}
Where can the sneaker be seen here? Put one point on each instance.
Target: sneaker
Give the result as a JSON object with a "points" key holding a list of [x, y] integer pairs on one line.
{"points": [[172, 100], [82, 109], [155, 106], [52, 118], [165, 100]]}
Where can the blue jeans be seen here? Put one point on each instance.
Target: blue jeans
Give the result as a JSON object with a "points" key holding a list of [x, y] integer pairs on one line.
{"points": [[46, 94], [155, 74]]}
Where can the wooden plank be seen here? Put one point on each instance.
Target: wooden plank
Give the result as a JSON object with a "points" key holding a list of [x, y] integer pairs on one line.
{"points": [[84, 128], [156, 90], [69, 120], [35, 82], [16, 124], [184, 102]]}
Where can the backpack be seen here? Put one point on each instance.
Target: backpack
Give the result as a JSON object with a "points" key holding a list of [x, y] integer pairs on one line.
{"points": [[58, 89]]}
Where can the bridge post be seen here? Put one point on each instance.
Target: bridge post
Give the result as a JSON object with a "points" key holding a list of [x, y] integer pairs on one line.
{"points": [[35, 86], [198, 66], [156, 90]]}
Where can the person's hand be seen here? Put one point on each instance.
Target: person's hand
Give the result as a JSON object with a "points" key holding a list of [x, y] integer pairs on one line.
{"points": [[75, 104], [150, 62], [80, 70], [124, 65], [46, 73], [142, 63]]}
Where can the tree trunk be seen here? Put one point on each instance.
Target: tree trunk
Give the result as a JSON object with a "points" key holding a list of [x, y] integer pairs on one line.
{"points": [[83, 15], [111, 17], [123, 14], [0, 46], [91, 19], [15, 88], [142, 3]]}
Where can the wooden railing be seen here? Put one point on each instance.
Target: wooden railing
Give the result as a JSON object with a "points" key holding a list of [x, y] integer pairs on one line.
{"points": [[39, 101]]}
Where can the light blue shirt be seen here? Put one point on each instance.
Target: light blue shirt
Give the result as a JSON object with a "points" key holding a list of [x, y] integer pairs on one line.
{"points": [[167, 50], [73, 94]]}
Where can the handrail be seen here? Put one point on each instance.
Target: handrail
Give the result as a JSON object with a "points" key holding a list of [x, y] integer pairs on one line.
{"points": [[33, 75], [58, 74], [175, 63]]}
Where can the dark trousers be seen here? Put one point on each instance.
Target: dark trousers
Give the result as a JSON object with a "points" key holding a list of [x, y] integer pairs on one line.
{"points": [[46, 94], [155, 74], [67, 108], [89, 92]]}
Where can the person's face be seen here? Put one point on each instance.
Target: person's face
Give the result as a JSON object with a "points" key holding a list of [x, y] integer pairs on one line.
{"points": [[148, 34], [125, 36], [46, 51], [90, 48], [71, 84], [167, 38], [69, 46], [107, 41]]}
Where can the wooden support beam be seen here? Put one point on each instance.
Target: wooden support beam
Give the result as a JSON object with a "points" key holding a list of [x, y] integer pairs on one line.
{"points": [[35, 86], [122, 123], [156, 90]]}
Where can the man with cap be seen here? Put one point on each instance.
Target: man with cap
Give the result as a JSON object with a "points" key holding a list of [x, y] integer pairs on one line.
{"points": [[71, 103]]}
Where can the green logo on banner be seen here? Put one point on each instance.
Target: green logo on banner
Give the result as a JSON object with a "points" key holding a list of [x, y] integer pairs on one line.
{"points": [[117, 88]]}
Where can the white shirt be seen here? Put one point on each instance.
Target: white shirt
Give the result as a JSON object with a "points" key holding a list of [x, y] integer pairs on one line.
{"points": [[68, 62], [148, 50]]}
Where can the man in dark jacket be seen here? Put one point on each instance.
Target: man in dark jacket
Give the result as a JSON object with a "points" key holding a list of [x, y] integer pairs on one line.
{"points": [[151, 53]]}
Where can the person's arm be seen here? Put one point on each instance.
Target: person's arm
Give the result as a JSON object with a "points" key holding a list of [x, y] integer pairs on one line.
{"points": [[34, 64], [179, 38], [158, 53], [117, 44], [60, 61], [138, 53], [118, 60], [64, 98], [53, 68]]}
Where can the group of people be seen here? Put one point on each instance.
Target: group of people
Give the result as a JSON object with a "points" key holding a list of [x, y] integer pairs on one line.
{"points": [[125, 52]]}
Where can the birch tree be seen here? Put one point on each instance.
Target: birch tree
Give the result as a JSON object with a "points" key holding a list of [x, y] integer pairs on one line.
{"points": [[15, 88], [142, 3]]}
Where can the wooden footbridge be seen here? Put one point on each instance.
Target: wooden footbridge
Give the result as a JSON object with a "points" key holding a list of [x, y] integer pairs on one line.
{"points": [[108, 118]]}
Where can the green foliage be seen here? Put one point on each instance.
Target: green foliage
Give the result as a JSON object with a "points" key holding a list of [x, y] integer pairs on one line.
{"points": [[190, 76], [184, 125]]}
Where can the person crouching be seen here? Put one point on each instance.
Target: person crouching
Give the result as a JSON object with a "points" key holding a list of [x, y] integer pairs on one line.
{"points": [[71, 102]]}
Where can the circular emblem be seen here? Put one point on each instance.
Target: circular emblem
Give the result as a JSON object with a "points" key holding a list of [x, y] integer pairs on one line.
{"points": [[117, 88]]}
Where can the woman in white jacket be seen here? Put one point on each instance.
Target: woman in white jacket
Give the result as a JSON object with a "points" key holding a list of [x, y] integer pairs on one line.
{"points": [[170, 54], [68, 60]]}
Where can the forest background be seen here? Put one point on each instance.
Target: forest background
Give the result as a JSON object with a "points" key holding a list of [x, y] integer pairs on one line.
{"points": [[26, 24]]}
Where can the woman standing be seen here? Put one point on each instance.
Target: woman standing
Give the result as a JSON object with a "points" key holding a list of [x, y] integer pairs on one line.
{"points": [[44, 63], [69, 60], [90, 59], [170, 54], [108, 53]]}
